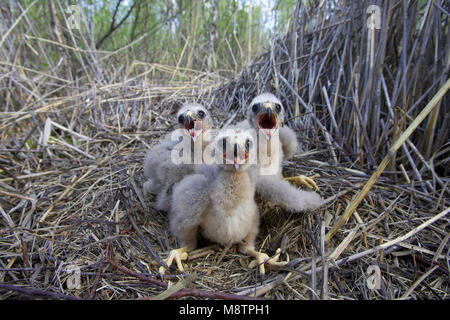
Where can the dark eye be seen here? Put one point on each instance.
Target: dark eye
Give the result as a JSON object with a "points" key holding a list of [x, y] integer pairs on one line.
{"points": [[201, 114], [255, 108], [277, 108], [181, 119]]}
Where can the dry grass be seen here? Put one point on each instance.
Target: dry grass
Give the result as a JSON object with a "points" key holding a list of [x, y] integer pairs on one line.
{"points": [[74, 135]]}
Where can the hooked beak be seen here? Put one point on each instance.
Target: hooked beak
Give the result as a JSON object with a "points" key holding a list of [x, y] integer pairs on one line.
{"points": [[188, 117], [191, 126], [267, 121], [269, 109], [236, 154]]}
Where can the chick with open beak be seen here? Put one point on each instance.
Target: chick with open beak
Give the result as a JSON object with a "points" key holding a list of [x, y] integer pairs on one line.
{"points": [[266, 113], [194, 118], [238, 152], [160, 171], [220, 206]]}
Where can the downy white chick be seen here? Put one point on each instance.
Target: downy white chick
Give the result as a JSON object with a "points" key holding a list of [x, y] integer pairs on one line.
{"points": [[220, 205], [265, 114], [159, 168]]}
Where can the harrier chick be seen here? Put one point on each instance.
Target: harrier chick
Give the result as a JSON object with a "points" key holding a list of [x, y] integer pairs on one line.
{"points": [[159, 169], [265, 114], [221, 205]]}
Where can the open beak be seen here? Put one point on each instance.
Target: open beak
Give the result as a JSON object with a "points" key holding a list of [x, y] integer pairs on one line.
{"points": [[267, 121], [236, 154], [192, 126]]}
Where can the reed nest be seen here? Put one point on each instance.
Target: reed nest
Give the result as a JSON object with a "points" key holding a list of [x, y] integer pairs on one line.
{"points": [[75, 223]]}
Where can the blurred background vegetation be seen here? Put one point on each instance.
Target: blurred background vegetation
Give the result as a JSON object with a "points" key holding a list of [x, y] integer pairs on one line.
{"points": [[202, 35], [318, 56]]}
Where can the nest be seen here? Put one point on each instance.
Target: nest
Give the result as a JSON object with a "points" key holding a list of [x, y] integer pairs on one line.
{"points": [[75, 223]]}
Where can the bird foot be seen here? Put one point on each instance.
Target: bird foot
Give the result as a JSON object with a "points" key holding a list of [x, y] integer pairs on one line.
{"points": [[178, 255], [304, 180], [262, 260]]}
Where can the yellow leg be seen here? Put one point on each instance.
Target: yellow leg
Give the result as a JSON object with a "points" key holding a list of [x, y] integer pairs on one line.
{"points": [[262, 259], [177, 254], [304, 180]]}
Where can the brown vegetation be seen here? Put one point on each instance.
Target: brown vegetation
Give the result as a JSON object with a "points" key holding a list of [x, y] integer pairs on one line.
{"points": [[73, 136]]}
